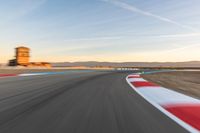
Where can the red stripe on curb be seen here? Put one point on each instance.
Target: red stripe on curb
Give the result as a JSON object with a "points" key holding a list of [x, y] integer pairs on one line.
{"points": [[187, 113], [135, 76], [143, 84], [7, 75]]}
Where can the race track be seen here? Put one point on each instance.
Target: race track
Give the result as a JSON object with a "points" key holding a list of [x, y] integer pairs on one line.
{"points": [[78, 102]]}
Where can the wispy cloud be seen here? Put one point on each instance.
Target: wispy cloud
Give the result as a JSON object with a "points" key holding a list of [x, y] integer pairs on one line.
{"points": [[18, 10], [134, 9], [182, 48], [95, 39], [125, 36], [179, 35]]}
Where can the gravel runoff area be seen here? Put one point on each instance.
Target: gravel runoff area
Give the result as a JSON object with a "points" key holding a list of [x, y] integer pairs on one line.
{"points": [[19, 71], [15, 70], [187, 82]]}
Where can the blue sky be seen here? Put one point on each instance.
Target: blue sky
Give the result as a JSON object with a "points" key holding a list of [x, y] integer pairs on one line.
{"points": [[101, 30]]}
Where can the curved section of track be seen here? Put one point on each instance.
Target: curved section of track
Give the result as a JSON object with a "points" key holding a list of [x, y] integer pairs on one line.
{"points": [[90, 102]]}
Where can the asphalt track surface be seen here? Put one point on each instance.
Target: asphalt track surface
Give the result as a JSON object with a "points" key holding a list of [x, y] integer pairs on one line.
{"points": [[80, 102]]}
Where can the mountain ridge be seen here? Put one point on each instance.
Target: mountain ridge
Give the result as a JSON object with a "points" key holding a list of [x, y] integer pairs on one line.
{"points": [[127, 64]]}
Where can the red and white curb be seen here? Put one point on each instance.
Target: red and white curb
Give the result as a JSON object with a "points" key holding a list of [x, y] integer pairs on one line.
{"points": [[182, 109], [7, 75], [19, 75]]}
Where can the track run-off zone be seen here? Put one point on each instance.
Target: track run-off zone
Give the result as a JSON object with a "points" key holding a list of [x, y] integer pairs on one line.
{"points": [[40, 73], [183, 109]]}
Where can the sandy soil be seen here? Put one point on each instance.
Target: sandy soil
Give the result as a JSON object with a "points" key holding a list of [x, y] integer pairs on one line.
{"points": [[11, 70], [19, 71], [187, 82]]}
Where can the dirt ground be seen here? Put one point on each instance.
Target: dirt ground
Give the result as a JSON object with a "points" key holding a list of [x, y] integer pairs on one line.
{"points": [[187, 82], [19, 71]]}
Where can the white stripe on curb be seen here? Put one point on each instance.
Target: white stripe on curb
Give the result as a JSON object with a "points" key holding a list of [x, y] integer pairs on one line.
{"points": [[164, 96], [31, 74], [136, 79]]}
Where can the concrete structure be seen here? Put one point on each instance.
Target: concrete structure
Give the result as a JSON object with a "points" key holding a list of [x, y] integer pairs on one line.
{"points": [[13, 62], [22, 58], [40, 64]]}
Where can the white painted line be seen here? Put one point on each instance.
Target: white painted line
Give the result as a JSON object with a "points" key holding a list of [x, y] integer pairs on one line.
{"points": [[31, 74], [136, 79]]}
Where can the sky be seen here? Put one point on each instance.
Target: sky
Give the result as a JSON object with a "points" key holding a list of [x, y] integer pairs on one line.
{"points": [[101, 30]]}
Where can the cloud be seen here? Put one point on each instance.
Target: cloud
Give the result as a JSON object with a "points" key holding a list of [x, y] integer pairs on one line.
{"points": [[182, 48], [95, 39], [179, 35], [29, 6], [134, 9], [18, 9]]}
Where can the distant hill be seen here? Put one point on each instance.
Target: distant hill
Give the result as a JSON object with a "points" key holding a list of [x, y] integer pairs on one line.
{"points": [[128, 64]]}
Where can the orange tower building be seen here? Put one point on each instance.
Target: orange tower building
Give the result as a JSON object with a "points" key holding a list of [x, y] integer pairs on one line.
{"points": [[22, 56]]}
